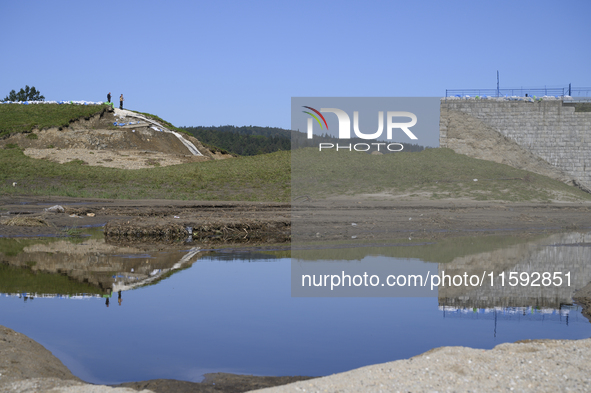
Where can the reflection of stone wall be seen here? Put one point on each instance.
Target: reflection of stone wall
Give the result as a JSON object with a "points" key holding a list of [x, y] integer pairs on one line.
{"points": [[93, 261], [557, 253]]}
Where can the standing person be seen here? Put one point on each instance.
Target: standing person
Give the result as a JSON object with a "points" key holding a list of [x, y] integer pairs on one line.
{"points": [[121, 99], [109, 97]]}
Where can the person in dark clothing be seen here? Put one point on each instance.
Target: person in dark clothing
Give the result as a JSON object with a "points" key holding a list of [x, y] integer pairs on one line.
{"points": [[121, 102], [109, 97]]}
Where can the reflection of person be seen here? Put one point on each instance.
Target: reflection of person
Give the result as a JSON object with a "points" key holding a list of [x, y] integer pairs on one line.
{"points": [[121, 99], [107, 302], [119, 299], [109, 97]]}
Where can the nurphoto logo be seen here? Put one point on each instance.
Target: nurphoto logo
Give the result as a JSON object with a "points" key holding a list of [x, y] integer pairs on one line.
{"points": [[344, 131]]}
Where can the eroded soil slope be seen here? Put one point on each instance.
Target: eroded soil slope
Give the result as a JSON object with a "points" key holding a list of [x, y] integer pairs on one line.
{"points": [[98, 142]]}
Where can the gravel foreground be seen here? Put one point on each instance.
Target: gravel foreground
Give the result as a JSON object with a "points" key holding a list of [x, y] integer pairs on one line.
{"points": [[531, 366]]}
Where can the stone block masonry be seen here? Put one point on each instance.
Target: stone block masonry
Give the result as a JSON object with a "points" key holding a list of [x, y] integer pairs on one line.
{"points": [[549, 129], [563, 253]]}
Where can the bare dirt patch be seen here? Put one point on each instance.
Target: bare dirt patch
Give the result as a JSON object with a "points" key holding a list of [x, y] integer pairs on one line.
{"points": [[97, 142], [124, 159]]}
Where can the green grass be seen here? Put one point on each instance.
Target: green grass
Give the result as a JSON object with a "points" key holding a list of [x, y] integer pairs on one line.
{"points": [[434, 173], [16, 118], [72, 231], [258, 178]]}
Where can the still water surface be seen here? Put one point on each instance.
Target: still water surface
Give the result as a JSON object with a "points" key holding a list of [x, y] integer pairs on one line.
{"points": [[233, 312]]}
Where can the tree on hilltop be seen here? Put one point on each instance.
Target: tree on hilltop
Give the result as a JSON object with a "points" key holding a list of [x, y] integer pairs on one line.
{"points": [[26, 94]]}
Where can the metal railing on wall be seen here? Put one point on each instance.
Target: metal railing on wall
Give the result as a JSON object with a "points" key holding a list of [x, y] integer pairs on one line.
{"points": [[583, 93], [519, 92]]}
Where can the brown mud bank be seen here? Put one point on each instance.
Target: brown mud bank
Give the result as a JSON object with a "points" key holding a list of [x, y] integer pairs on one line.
{"points": [[352, 219], [214, 383], [134, 221], [201, 222]]}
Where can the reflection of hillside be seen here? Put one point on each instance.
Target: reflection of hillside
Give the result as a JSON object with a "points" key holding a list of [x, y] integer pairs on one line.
{"points": [[557, 253], [62, 267], [439, 251], [23, 280], [13, 247]]}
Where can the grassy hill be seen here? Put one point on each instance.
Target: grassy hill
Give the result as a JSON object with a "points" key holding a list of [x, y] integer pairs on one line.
{"points": [[432, 173]]}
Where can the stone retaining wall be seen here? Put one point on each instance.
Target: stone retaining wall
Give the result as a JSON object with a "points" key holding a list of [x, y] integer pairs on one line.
{"points": [[549, 129]]}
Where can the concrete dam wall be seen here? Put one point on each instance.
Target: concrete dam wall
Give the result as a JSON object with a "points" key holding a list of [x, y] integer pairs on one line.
{"points": [[550, 137]]}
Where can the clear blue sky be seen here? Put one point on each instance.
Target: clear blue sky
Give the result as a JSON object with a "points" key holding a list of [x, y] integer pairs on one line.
{"points": [[240, 62]]}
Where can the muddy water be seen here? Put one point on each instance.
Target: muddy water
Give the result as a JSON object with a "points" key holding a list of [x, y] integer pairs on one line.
{"points": [[114, 314]]}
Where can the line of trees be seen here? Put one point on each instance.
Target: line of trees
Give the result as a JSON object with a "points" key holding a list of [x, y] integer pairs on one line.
{"points": [[253, 140], [244, 141], [26, 94]]}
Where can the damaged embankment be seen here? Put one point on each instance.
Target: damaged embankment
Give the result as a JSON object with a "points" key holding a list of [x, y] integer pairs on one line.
{"points": [[204, 222]]}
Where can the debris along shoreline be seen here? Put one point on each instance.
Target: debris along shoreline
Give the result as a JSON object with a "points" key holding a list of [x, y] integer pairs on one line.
{"points": [[142, 229], [151, 220]]}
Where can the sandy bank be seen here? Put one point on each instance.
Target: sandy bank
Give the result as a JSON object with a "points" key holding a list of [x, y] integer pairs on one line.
{"points": [[535, 366]]}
